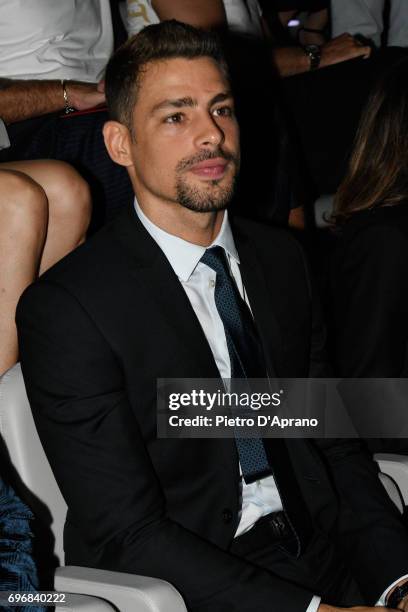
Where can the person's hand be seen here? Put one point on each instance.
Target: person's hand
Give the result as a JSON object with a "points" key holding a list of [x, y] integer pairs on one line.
{"points": [[83, 96], [326, 608], [403, 605], [342, 48]]}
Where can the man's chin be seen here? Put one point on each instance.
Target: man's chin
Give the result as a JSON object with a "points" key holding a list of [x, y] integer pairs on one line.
{"points": [[213, 198], [206, 206], [205, 202]]}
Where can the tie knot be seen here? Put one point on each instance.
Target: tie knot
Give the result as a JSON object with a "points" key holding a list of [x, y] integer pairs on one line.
{"points": [[215, 259]]}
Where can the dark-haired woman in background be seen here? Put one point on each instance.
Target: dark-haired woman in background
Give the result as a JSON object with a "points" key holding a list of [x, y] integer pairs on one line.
{"points": [[369, 276]]}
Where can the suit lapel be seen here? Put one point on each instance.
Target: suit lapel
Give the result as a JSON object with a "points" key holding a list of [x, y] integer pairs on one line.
{"points": [[153, 271], [261, 304]]}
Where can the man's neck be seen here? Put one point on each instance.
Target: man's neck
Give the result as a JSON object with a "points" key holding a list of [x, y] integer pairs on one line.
{"points": [[195, 227]]}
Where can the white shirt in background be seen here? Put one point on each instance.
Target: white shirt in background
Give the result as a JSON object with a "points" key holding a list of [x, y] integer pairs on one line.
{"points": [[366, 17], [243, 16], [55, 39]]}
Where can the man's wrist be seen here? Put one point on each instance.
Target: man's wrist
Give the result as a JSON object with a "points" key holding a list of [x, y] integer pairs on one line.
{"points": [[68, 107], [314, 54], [290, 60]]}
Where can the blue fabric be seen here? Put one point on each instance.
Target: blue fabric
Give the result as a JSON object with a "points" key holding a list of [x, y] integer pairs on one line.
{"points": [[17, 567], [244, 351]]}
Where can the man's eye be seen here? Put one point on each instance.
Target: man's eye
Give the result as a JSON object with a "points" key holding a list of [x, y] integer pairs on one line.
{"points": [[223, 111], [176, 118]]}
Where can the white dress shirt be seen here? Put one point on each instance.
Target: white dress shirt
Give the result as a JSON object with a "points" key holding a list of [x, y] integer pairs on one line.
{"points": [[198, 280], [55, 39]]}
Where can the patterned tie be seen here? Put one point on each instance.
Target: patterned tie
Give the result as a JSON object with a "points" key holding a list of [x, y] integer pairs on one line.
{"points": [[247, 362], [245, 354]]}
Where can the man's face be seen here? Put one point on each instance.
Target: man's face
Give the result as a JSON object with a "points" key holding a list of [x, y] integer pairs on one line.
{"points": [[185, 146]]}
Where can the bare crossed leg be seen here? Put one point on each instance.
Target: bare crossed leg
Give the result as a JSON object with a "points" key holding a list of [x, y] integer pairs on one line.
{"points": [[44, 213]]}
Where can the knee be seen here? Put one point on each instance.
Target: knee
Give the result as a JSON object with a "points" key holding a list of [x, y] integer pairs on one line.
{"points": [[69, 196], [23, 203]]}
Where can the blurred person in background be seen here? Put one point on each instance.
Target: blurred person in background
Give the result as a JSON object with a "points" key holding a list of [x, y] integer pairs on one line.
{"points": [[369, 283], [369, 18], [309, 17], [52, 60], [312, 48], [240, 15], [324, 103], [249, 17]]}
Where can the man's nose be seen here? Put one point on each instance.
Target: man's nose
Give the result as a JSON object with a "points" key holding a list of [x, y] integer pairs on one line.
{"points": [[209, 134]]}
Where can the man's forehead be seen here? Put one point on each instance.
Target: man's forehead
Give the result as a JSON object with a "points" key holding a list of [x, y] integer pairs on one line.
{"points": [[179, 78]]}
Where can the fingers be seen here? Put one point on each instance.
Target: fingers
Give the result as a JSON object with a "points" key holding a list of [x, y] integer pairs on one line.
{"points": [[355, 44], [342, 48], [83, 96], [98, 97], [362, 51], [95, 99]]}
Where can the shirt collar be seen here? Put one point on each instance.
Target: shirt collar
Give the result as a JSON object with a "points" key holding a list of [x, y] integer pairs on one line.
{"points": [[182, 255]]}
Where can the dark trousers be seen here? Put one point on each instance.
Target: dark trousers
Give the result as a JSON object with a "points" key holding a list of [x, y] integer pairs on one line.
{"points": [[319, 568]]}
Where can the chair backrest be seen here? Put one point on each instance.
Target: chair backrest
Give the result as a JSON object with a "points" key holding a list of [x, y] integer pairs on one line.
{"points": [[27, 456]]}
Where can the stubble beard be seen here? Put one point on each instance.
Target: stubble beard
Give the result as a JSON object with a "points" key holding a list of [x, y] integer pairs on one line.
{"points": [[213, 196]]}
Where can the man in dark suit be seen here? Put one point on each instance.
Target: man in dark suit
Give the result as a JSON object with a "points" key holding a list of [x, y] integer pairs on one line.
{"points": [[164, 291]]}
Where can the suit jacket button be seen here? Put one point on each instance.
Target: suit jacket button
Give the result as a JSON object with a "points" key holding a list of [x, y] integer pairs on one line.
{"points": [[227, 515]]}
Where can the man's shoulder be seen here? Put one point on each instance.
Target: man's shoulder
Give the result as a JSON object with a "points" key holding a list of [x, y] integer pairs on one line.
{"points": [[85, 280], [90, 273], [268, 239], [89, 262], [256, 229]]}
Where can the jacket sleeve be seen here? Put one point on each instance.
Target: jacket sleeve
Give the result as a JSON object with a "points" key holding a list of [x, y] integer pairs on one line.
{"points": [[371, 534], [77, 392]]}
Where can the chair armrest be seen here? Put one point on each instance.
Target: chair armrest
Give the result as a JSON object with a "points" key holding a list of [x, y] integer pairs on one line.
{"points": [[129, 593], [395, 466], [84, 603]]}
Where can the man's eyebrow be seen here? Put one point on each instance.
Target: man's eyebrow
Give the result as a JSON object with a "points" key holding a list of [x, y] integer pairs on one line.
{"points": [[174, 103], [189, 102], [221, 97]]}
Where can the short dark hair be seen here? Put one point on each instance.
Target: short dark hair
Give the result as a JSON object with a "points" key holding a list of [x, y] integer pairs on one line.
{"points": [[165, 40]]}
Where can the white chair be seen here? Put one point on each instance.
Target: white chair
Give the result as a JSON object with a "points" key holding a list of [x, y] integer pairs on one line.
{"points": [[94, 590], [395, 469]]}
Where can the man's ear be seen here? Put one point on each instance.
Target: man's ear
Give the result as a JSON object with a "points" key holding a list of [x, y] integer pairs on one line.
{"points": [[118, 142]]}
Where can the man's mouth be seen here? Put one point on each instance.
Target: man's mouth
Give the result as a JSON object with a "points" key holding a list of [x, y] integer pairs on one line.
{"points": [[210, 168]]}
